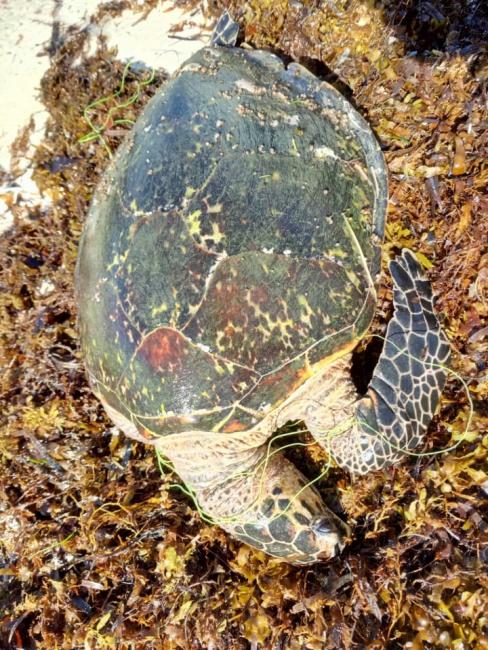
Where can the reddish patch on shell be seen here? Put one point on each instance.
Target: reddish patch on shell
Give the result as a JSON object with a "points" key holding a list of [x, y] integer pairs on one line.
{"points": [[229, 295], [260, 295], [164, 349], [234, 425], [293, 377]]}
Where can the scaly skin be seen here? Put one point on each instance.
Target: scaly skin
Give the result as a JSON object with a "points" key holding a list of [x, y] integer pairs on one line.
{"points": [[392, 418], [369, 433]]}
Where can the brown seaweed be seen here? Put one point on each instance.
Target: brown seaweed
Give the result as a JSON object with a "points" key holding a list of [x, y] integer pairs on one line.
{"points": [[97, 549]]}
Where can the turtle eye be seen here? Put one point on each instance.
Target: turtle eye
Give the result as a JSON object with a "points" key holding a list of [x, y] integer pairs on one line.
{"points": [[322, 526]]}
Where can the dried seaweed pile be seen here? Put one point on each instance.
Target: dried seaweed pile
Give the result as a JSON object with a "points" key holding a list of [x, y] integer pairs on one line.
{"points": [[97, 550]]}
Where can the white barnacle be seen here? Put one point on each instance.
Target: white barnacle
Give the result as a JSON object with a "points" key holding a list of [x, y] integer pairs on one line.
{"points": [[203, 347], [248, 86], [192, 67], [324, 152], [292, 120], [277, 94]]}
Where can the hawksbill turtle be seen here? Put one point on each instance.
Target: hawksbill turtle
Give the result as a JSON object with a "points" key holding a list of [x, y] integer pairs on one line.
{"points": [[227, 270]]}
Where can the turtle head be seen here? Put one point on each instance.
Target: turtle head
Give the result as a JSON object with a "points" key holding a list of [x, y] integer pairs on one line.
{"points": [[289, 519], [259, 497]]}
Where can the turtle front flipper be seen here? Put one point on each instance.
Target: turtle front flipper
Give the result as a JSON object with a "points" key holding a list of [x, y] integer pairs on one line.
{"points": [[407, 382], [255, 494]]}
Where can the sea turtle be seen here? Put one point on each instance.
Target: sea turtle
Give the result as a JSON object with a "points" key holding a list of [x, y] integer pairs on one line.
{"points": [[226, 272]]}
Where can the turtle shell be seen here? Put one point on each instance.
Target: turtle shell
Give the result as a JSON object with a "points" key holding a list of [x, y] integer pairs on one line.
{"points": [[232, 245]]}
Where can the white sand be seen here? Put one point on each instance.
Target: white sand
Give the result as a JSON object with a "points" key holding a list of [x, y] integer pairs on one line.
{"points": [[26, 28]]}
